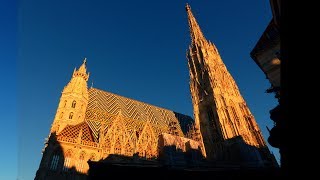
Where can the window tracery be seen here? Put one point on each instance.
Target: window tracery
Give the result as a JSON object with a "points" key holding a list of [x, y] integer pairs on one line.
{"points": [[67, 161], [54, 161], [81, 162]]}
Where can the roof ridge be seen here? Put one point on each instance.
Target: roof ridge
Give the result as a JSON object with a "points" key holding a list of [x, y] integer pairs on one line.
{"points": [[138, 101]]}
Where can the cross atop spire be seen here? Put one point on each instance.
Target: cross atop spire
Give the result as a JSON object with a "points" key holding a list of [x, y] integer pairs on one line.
{"points": [[195, 31]]}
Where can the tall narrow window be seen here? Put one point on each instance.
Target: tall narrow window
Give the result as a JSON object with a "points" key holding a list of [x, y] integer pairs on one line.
{"points": [[54, 162], [231, 124], [61, 115], [65, 103], [71, 115], [67, 161], [81, 162], [234, 113], [73, 104]]}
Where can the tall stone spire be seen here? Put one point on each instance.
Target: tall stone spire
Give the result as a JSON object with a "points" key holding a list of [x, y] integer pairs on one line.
{"points": [[195, 31], [220, 112]]}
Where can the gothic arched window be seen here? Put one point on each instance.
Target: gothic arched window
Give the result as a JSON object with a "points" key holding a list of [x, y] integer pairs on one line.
{"points": [[67, 160], [81, 162], [54, 161], [71, 115], [65, 103], [234, 112], [73, 104]]}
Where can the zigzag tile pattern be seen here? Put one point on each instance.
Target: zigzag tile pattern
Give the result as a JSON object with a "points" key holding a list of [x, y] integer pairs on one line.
{"points": [[71, 133], [105, 106], [95, 126]]}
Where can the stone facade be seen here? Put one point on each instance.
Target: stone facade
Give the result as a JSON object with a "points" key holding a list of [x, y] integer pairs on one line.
{"points": [[221, 114], [93, 125]]}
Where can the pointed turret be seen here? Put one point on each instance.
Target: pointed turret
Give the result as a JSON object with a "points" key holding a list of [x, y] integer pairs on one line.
{"points": [[82, 71], [197, 36], [78, 82]]}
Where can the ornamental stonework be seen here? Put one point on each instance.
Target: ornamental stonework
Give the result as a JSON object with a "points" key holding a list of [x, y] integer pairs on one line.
{"points": [[95, 125]]}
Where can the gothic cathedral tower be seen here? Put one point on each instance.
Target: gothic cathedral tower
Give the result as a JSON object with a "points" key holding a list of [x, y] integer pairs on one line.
{"points": [[73, 101], [220, 111]]}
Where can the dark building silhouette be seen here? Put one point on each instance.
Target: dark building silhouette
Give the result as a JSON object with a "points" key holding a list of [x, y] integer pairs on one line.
{"points": [[267, 55]]}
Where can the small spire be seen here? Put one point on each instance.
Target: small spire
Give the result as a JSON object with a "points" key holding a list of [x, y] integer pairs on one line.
{"points": [[82, 71], [82, 68]]}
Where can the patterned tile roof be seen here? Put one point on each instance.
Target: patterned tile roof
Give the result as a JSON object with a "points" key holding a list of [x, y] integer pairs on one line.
{"points": [[72, 132], [104, 107]]}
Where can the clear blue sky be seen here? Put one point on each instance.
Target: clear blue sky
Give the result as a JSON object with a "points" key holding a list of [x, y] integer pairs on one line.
{"points": [[135, 49], [8, 90]]}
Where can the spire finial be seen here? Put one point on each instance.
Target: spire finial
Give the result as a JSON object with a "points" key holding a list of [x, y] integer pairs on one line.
{"points": [[83, 66], [188, 7]]}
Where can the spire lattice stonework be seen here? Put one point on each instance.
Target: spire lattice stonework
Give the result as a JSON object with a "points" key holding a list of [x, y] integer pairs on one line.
{"points": [[219, 109]]}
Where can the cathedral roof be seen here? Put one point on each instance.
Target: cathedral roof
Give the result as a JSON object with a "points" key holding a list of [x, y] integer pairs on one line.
{"points": [[104, 107], [73, 132]]}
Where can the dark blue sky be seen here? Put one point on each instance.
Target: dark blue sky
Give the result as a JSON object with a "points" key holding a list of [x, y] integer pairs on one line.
{"points": [[8, 90], [135, 49]]}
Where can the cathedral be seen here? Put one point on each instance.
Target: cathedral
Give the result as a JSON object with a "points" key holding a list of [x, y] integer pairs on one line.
{"points": [[93, 125]]}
